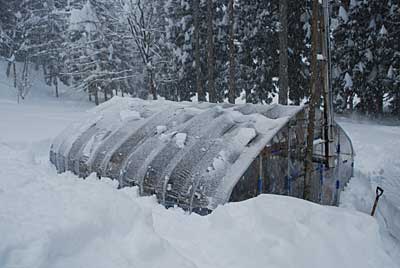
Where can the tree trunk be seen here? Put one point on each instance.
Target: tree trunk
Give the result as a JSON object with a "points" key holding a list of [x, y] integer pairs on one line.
{"points": [[351, 102], [105, 95], [309, 185], [15, 75], [283, 53], [231, 93], [346, 4], [247, 92], [56, 85], [210, 52], [24, 79], [152, 88], [90, 92], [200, 93], [96, 94], [8, 70], [379, 103]]}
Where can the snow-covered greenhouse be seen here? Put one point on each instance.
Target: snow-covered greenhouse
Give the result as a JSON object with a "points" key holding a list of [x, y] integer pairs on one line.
{"points": [[201, 155]]}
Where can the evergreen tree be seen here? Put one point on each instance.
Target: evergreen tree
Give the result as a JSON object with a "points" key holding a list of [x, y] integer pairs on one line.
{"points": [[365, 55], [299, 39], [257, 53], [8, 22]]}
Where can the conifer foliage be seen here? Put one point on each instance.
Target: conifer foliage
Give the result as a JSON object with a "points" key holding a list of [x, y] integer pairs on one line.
{"points": [[366, 56], [205, 50]]}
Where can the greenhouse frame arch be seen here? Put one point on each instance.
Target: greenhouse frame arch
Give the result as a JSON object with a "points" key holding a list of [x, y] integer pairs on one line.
{"points": [[201, 155]]}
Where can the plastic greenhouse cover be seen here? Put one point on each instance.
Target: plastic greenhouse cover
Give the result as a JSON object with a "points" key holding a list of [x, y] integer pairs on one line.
{"points": [[191, 152]]}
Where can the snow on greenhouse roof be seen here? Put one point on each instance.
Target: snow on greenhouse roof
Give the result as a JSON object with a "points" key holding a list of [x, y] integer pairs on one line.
{"points": [[190, 153]]}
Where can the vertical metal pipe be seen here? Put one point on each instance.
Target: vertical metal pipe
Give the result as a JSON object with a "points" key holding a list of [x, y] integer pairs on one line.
{"points": [[321, 181], [327, 75], [261, 175], [288, 162], [337, 168]]}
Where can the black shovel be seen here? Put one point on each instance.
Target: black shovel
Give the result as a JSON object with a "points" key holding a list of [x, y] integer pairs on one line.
{"points": [[379, 193]]}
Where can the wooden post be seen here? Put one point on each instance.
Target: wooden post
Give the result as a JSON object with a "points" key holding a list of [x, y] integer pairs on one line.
{"points": [[96, 94]]}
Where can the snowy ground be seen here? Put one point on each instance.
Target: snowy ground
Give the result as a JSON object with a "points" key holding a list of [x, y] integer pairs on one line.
{"points": [[51, 220], [377, 163]]}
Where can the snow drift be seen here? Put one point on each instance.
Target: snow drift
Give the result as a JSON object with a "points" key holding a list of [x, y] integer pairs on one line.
{"points": [[57, 220], [62, 221]]}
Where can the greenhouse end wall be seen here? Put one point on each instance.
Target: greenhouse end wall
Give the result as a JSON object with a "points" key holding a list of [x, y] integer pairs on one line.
{"points": [[279, 169]]}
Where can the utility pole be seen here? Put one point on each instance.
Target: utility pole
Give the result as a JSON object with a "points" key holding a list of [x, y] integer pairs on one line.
{"points": [[309, 184]]}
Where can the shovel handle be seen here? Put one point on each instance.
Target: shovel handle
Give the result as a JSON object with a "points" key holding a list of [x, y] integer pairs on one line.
{"points": [[379, 191]]}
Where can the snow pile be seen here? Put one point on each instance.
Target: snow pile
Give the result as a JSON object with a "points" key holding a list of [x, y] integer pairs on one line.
{"points": [[60, 221], [57, 220], [274, 231], [377, 164]]}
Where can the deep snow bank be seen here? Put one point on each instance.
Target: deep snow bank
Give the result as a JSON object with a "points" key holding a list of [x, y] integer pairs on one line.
{"points": [[61, 221], [50, 220], [275, 231], [377, 163]]}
